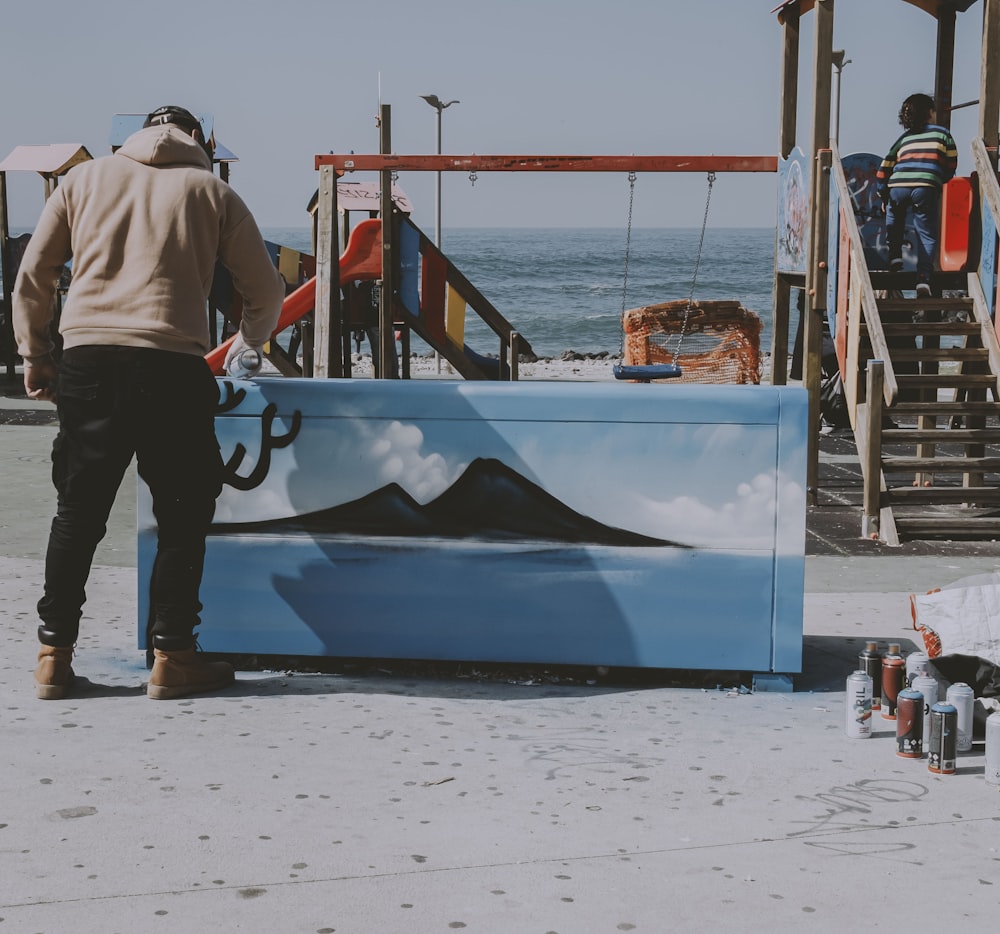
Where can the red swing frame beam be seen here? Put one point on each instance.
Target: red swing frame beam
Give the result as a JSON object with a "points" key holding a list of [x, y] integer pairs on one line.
{"points": [[433, 163]]}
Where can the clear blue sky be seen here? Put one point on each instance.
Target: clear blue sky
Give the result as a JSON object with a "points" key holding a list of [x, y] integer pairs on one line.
{"points": [[286, 80]]}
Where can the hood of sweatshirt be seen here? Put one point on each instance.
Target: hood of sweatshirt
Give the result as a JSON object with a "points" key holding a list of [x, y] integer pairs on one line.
{"points": [[165, 145]]}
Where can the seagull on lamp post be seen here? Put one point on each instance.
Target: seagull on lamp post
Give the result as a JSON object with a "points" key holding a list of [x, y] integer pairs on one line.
{"points": [[436, 101]]}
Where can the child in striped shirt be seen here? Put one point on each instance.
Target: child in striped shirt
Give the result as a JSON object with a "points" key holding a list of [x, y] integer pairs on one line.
{"points": [[910, 179]]}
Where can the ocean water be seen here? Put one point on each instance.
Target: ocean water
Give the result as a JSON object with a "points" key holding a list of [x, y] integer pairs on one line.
{"points": [[562, 288]]}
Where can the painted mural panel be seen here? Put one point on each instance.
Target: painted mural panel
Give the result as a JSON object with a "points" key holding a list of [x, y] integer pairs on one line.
{"points": [[792, 246], [610, 524]]}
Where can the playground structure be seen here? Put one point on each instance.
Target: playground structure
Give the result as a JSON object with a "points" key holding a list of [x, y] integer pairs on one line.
{"points": [[921, 376], [512, 553], [50, 163], [469, 496]]}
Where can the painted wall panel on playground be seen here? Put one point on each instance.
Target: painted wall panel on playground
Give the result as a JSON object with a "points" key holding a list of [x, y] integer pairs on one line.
{"points": [[593, 524]]}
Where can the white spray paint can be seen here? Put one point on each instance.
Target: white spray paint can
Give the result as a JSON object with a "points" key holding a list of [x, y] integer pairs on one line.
{"points": [[993, 748], [961, 697], [916, 664], [929, 687], [859, 705]]}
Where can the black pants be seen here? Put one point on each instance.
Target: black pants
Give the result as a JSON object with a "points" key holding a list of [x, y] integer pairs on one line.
{"points": [[115, 403]]}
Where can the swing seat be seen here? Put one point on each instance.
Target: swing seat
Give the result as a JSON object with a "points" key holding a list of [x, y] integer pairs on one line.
{"points": [[645, 372]]}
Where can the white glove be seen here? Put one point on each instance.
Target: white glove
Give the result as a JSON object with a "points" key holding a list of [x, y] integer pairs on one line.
{"points": [[242, 359]]}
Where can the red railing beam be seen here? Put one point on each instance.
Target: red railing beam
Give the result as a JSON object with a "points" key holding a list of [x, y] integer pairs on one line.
{"points": [[474, 163]]}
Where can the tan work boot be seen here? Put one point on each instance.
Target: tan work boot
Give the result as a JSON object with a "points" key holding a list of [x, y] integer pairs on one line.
{"points": [[54, 673], [183, 672]]}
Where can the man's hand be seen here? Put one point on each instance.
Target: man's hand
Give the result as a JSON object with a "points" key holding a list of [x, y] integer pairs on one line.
{"points": [[235, 349], [40, 377]]}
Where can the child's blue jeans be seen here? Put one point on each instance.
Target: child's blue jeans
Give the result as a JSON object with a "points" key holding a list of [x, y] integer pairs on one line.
{"points": [[925, 206]]}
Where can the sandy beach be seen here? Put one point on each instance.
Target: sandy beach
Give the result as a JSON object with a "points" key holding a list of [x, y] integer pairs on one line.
{"points": [[570, 365]]}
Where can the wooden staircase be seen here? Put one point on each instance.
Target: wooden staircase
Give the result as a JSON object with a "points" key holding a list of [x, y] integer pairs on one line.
{"points": [[936, 444]]}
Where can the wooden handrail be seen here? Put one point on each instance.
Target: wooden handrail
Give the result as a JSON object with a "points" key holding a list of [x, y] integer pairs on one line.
{"points": [[872, 462], [861, 300], [989, 187]]}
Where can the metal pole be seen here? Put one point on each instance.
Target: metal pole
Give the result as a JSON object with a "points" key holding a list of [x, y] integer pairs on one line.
{"points": [[838, 63], [437, 212], [439, 105], [387, 336]]}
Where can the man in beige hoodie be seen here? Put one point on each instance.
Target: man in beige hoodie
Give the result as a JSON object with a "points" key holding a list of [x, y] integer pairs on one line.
{"points": [[144, 228]]}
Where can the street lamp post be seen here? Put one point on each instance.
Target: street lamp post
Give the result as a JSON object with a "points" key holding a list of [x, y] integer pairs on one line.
{"points": [[838, 62], [439, 106]]}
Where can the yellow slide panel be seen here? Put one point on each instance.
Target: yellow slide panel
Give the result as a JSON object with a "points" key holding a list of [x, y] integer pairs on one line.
{"points": [[455, 318], [288, 264]]}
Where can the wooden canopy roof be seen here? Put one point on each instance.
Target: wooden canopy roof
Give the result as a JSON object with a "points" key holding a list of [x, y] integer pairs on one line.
{"points": [[49, 160], [928, 6]]}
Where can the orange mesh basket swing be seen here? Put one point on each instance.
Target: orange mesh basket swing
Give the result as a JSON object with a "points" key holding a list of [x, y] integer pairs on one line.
{"points": [[649, 370]]}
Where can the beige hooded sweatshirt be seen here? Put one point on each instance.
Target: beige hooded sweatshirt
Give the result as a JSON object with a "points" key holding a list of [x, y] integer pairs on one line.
{"points": [[144, 228]]}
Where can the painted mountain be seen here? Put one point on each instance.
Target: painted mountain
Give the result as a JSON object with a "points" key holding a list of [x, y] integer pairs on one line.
{"points": [[489, 502]]}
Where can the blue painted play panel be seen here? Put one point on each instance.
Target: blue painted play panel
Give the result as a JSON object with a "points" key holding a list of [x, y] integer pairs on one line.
{"points": [[540, 522]]}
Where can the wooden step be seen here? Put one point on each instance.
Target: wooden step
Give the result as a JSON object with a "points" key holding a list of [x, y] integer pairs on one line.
{"points": [[945, 380], [893, 464], [941, 435], [946, 409], [930, 328], [967, 529], [960, 303], [945, 354], [950, 281], [942, 495]]}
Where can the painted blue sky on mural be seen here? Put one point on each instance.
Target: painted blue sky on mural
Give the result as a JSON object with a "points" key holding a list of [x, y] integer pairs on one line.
{"points": [[707, 485]]}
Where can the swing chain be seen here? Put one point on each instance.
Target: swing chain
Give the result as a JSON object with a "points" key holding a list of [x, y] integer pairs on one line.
{"points": [[628, 251], [697, 264]]}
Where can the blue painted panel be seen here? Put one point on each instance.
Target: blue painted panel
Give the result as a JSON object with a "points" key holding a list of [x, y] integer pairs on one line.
{"points": [[409, 267], [562, 523], [988, 258]]}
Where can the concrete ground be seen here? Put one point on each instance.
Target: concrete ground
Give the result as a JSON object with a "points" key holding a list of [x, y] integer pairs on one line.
{"points": [[378, 799]]}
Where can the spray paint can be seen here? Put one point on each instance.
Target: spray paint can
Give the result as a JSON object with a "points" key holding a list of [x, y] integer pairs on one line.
{"points": [[870, 662], [910, 724], [962, 697], [859, 705], [916, 664], [993, 748], [893, 672], [245, 363], [930, 689], [944, 729]]}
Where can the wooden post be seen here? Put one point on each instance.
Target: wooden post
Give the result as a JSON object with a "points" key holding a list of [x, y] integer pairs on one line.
{"points": [[515, 341], [387, 337], [7, 338], [819, 210], [789, 80], [326, 334], [944, 69], [788, 99], [306, 330], [873, 450], [989, 83], [779, 330]]}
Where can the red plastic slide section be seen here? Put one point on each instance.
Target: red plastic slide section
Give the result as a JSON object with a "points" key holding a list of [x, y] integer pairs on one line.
{"points": [[362, 259], [957, 203]]}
